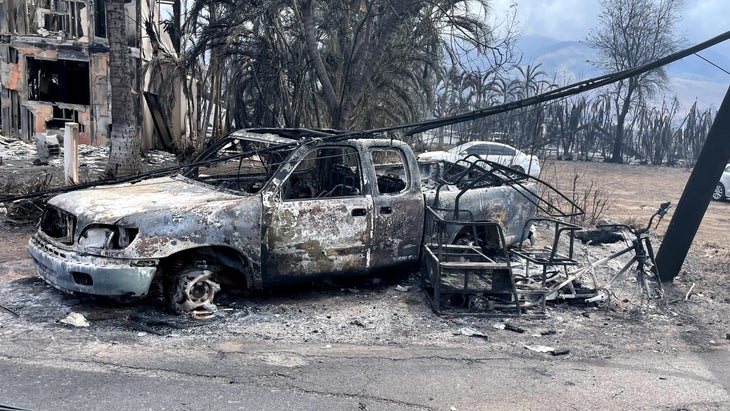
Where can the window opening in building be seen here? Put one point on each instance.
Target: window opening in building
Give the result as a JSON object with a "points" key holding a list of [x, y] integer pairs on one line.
{"points": [[61, 116], [100, 18], [58, 81]]}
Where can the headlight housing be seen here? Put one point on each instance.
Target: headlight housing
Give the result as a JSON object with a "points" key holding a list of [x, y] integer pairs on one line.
{"points": [[107, 237]]}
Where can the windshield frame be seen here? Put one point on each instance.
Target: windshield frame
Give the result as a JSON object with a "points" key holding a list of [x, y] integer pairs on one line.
{"points": [[270, 150]]}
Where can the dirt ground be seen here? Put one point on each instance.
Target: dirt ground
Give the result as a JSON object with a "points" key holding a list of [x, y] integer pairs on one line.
{"points": [[373, 312], [635, 191]]}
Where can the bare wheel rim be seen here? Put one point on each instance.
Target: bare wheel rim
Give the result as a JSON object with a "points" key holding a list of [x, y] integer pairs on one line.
{"points": [[192, 291]]}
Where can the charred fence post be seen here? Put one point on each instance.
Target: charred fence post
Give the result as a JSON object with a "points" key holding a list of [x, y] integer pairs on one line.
{"points": [[71, 153], [696, 195]]}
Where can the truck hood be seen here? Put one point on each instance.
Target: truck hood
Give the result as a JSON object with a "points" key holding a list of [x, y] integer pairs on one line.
{"points": [[106, 205]]}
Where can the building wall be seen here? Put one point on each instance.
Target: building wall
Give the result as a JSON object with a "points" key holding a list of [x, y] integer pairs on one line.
{"points": [[40, 56]]}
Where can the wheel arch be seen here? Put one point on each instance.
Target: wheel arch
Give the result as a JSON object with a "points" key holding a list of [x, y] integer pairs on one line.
{"points": [[232, 267]]}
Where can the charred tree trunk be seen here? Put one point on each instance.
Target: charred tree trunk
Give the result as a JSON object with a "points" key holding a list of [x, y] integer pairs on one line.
{"points": [[623, 105], [343, 89], [125, 140], [618, 141], [175, 28]]}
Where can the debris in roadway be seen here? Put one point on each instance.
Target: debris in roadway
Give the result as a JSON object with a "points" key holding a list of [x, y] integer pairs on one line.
{"points": [[512, 327], [141, 327], [540, 348], [75, 319], [11, 311], [471, 332], [358, 323]]}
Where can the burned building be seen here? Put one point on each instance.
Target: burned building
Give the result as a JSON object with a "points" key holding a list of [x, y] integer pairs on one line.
{"points": [[54, 57]]}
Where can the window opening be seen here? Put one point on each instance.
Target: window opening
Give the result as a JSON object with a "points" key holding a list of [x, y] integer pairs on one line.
{"points": [[325, 173], [62, 16], [100, 18], [390, 170], [237, 165], [61, 116], [62, 81], [15, 121], [12, 55]]}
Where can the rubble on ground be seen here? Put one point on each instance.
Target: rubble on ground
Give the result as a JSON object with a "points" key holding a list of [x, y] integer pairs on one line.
{"points": [[25, 170], [381, 314], [14, 149], [17, 158]]}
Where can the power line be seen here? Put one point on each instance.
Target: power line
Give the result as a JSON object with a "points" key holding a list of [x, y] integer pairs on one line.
{"points": [[419, 127], [569, 90], [716, 66]]}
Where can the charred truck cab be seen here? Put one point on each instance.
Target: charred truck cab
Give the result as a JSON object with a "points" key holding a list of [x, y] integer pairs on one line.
{"points": [[259, 208]]}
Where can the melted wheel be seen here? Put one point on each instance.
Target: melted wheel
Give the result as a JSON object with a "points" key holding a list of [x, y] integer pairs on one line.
{"points": [[192, 292]]}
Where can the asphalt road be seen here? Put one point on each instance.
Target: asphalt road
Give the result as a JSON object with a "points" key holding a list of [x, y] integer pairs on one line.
{"points": [[45, 365], [64, 371]]}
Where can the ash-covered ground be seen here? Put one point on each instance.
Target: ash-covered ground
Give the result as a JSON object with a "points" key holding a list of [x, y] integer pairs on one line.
{"points": [[389, 309]]}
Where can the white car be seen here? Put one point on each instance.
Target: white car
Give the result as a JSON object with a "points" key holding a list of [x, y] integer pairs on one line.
{"points": [[503, 154], [720, 192]]}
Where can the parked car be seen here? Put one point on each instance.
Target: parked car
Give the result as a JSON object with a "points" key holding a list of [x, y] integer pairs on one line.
{"points": [[720, 192], [497, 152], [259, 208]]}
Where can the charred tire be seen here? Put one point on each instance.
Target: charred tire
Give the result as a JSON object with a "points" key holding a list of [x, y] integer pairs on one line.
{"points": [[192, 292], [719, 193]]}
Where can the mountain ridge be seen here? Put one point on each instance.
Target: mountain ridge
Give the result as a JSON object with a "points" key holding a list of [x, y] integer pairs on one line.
{"points": [[690, 79]]}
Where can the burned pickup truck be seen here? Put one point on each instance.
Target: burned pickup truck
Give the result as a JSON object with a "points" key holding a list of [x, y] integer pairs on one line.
{"points": [[259, 208]]}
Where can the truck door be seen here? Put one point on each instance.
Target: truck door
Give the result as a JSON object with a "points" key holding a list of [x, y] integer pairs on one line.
{"points": [[320, 221], [398, 209]]}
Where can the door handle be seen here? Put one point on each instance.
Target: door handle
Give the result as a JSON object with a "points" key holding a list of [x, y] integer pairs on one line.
{"points": [[386, 210], [358, 212]]}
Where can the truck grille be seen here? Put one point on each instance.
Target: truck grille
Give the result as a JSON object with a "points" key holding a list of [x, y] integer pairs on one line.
{"points": [[58, 224]]}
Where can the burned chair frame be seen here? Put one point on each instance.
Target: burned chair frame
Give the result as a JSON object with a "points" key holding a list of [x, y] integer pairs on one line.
{"points": [[473, 274]]}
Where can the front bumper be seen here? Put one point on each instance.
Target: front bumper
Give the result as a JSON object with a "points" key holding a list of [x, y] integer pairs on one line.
{"points": [[72, 271]]}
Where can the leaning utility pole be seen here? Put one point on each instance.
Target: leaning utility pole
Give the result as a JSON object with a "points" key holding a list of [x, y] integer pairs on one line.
{"points": [[696, 196]]}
